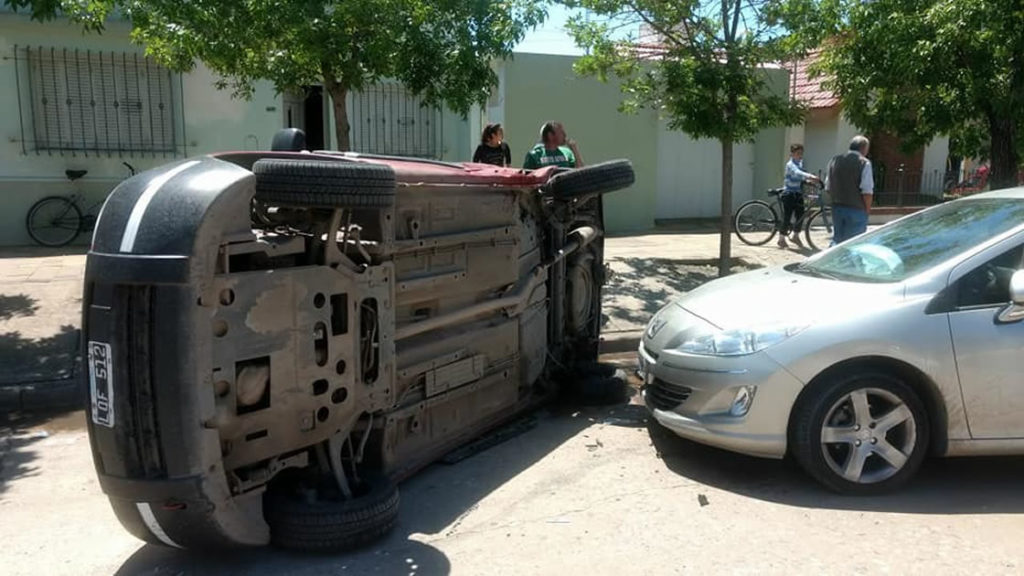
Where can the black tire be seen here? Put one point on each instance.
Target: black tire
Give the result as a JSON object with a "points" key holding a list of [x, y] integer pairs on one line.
{"points": [[597, 179], [818, 404], [331, 524], [819, 229], [598, 387], [324, 183], [54, 221], [755, 223]]}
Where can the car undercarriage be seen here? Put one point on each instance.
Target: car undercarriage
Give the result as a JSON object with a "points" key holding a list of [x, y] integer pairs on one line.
{"points": [[274, 339]]}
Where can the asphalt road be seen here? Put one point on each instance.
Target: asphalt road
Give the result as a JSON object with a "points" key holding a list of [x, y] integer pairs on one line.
{"points": [[598, 491]]}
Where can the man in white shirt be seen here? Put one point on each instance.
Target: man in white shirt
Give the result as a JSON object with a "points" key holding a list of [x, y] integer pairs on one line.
{"points": [[851, 185]]}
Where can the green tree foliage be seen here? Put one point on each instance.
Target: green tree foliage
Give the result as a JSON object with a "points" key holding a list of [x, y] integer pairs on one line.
{"points": [[921, 68], [89, 13], [440, 49], [702, 68]]}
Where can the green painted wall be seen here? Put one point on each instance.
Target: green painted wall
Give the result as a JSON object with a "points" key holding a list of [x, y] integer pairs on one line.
{"points": [[539, 88]]}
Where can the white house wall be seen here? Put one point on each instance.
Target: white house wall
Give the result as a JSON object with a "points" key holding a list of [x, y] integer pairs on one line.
{"points": [[935, 155]]}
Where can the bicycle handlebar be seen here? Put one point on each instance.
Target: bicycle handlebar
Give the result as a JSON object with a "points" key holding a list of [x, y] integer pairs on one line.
{"points": [[130, 168]]}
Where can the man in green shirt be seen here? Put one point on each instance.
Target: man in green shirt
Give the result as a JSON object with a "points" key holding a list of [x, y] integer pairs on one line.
{"points": [[554, 149]]}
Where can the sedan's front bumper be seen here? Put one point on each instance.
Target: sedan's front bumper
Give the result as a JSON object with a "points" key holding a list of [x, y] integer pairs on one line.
{"points": [[692, 396]]}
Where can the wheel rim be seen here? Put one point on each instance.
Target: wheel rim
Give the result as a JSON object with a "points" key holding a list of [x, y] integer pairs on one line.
{"points": [[755, 224], [54, 223], [819, 231], [581, 296], [868, 435]]}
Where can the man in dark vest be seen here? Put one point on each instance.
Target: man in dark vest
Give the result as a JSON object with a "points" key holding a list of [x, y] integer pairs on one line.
{"points": [[851, 185]]}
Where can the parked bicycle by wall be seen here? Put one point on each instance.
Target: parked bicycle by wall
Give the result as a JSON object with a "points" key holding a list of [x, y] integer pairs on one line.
{"points": [[57, 220], [756, 222]]}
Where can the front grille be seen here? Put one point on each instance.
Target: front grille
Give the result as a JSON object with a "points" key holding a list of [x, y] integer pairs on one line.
{"points": [[665, 396]]}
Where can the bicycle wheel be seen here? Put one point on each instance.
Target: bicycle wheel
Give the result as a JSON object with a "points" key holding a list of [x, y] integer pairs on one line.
{"points": [[755, 223], [819, 229], [54, 221]]}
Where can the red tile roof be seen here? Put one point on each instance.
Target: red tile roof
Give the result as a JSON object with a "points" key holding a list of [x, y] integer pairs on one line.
{"points": [[809, 90]]}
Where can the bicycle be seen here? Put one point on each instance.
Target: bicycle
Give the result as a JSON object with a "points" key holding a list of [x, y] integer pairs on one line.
{"points": [[756, 222], [57, 220]]}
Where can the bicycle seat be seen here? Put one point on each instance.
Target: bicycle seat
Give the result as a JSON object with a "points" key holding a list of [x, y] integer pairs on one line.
{"points": [[75, 174], [775, 191]]}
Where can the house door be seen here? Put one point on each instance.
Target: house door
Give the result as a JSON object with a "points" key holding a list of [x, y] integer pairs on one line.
{"points": [[305, 111]]}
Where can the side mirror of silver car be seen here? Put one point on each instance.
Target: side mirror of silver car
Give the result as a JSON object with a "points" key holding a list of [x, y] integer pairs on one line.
{"points": [[1014, 311]]}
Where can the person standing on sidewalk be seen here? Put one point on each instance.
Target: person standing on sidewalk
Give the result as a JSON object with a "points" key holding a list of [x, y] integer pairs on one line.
{"points": [[793, 195], [851, 186], [554, 149], [493, 149]]}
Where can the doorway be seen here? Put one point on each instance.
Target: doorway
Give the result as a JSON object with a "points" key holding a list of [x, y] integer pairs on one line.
{"points": [[305, 111]]}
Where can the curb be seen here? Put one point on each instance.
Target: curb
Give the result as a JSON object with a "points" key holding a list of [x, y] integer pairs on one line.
{"points": [[620, 342], [46, 395]]}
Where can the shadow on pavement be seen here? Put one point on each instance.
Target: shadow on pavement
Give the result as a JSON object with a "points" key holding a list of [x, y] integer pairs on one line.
{"points": [[26, 360], [942, 486], [434, 500], [15, 305], [652, 282], [19, 432]]}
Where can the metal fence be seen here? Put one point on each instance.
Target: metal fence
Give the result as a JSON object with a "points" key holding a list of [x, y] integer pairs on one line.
{"points": [[73, 101], [905, 188], [901, 187]]}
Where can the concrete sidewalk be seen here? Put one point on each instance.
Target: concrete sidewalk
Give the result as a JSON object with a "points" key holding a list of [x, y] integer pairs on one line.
{"points": [[40, 318], [41, 300]]}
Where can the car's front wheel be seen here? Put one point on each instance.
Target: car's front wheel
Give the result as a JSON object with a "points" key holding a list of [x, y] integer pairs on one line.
{"points": [[863, 433]]}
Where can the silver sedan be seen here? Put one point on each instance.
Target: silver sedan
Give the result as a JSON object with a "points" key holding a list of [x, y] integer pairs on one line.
{"points": [[904, 342]]}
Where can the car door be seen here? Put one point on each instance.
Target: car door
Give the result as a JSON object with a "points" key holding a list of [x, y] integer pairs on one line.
{"points": [[989, 354]]}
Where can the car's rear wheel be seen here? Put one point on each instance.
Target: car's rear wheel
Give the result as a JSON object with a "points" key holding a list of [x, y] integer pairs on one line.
{"points": [[864, 433]]}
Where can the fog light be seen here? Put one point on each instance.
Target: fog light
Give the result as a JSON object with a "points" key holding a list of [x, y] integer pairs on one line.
{"points": [[744, 398]]}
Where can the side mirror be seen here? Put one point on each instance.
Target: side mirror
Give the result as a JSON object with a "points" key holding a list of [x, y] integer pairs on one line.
{"points": [[1014, 311], [1017, 288]]}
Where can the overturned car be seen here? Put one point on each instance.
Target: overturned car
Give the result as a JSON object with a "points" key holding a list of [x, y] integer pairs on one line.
{"points": [[274, 339]]}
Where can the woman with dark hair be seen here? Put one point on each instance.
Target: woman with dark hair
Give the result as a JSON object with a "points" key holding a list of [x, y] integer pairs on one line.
{"points": [[492, 148]]}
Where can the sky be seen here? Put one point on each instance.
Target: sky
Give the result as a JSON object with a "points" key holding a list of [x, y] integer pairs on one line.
{"points": [[551, 37]]}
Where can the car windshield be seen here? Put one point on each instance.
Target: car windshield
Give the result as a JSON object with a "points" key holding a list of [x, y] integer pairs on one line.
{"points": [[915, 244]]}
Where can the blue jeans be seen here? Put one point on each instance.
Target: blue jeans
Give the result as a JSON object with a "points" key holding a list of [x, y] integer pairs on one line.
{"points": [[847, 222]]}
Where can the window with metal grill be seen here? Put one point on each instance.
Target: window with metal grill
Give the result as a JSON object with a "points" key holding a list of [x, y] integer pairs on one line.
{"points": [[113, 102], [386, 118]]}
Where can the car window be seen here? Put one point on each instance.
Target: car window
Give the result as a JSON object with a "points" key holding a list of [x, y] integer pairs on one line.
{"points": [[922, 241], [989, 284]]}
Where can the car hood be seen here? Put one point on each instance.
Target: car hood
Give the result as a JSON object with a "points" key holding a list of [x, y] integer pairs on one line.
{"points": [[775, 296]]}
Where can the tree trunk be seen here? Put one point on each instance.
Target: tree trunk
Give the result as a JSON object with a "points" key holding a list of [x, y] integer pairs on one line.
{"points": [[725, 224], [1004, 152], [339, 92]]}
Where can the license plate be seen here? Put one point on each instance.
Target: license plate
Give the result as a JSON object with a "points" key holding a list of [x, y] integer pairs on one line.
{"points": [[101, 383]]}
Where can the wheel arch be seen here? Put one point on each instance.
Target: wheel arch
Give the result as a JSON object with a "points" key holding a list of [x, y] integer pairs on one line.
{"points": [[923, 385]]}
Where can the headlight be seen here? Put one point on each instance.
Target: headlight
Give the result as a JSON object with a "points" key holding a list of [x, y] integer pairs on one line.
{"points": [[737, 342]]}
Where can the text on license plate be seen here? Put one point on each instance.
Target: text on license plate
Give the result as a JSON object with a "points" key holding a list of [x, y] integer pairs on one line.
{"points": [[101, 383]]}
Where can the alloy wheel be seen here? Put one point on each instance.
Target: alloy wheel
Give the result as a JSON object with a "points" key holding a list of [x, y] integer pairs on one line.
{"points": [[868, 435]]}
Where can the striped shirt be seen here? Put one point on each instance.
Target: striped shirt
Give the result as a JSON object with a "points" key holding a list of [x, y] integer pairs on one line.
{"points": [[795, 176]]}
